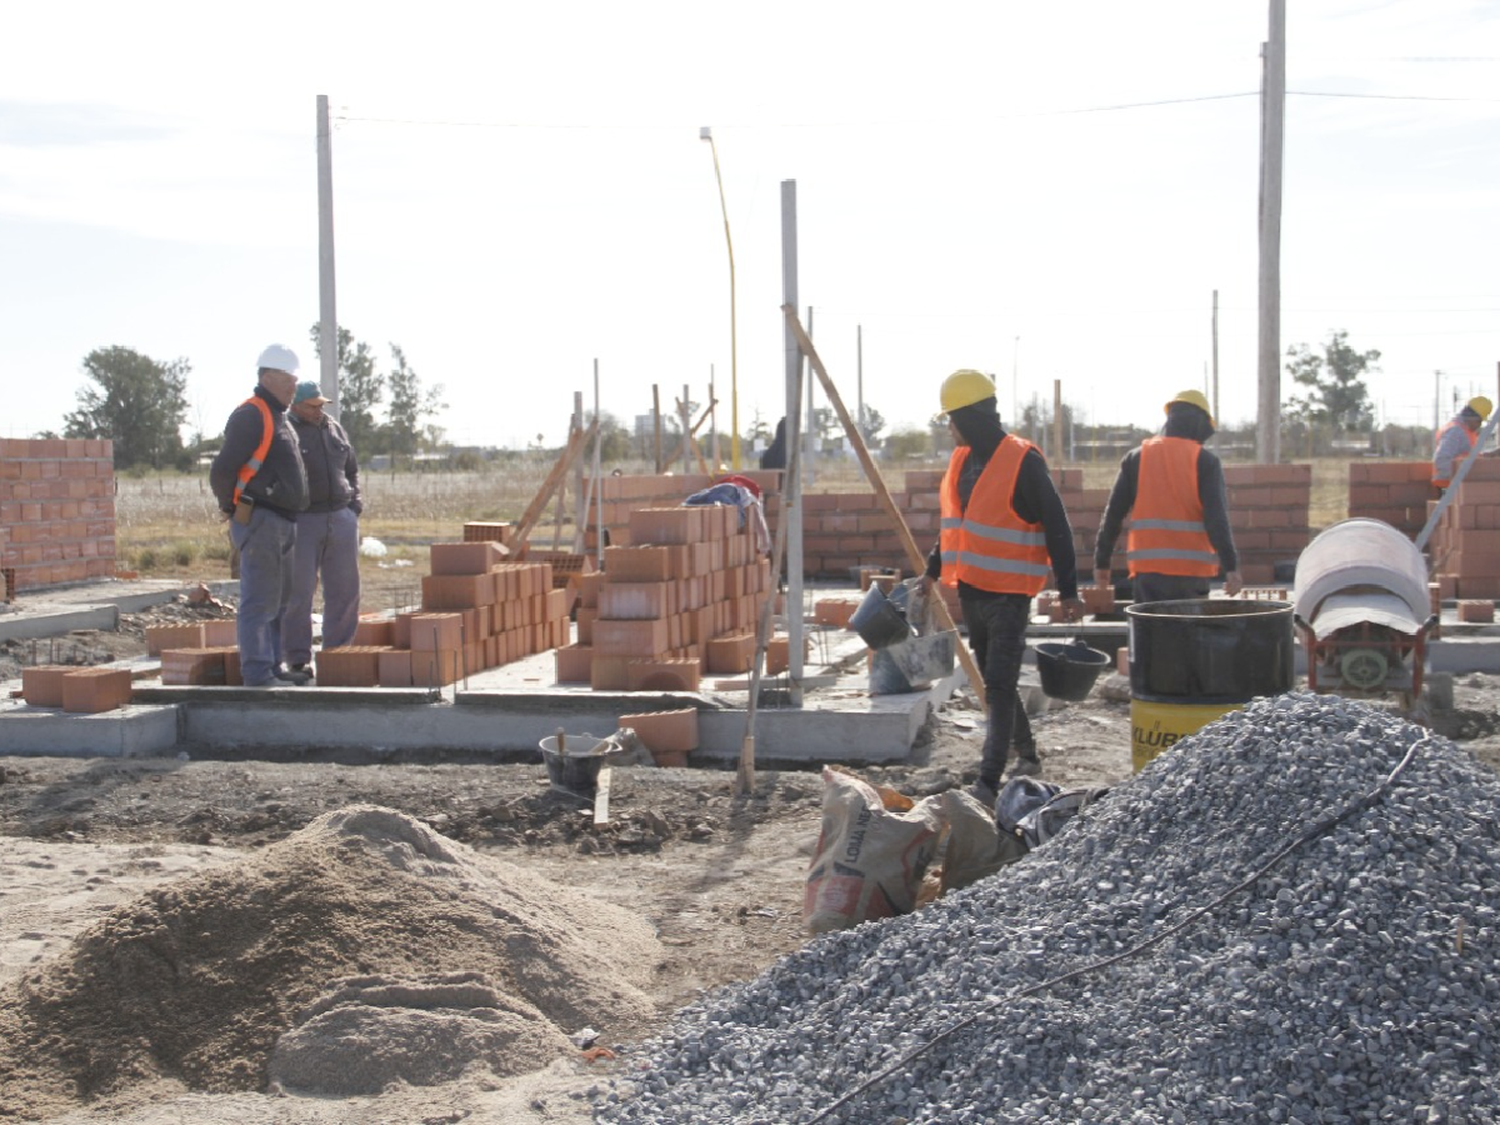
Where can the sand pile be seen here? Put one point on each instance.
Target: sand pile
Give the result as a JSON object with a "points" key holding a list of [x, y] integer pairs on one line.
{"points": [[392, 951]]}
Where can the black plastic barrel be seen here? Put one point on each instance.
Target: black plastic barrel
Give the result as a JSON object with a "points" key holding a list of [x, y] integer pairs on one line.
{"points": [[1191, 661]]}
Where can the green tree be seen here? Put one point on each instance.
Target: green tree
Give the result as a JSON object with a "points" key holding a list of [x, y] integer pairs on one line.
{"points": [[411, 404], [615, 443], [908, 443], [361, 389], [137, 402], [870, 424], [1334, 378]]}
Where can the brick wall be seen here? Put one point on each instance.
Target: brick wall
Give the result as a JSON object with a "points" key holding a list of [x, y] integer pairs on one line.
{"points": [[57, 510], [1465, 544], [1395, 492]]}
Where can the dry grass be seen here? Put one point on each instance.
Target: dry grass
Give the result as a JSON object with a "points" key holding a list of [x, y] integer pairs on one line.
{"points": [[169, 526]]}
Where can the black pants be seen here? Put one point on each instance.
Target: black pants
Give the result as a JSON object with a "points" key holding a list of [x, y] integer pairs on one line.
{"points": [[1168, 587], [997, 634]]}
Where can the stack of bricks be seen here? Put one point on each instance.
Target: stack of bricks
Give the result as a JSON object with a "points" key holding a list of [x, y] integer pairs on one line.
{"points": [[196, 653], [621, 496], [1465, 543], [80, 690], [478, 611], [57, 510], [685, 596], [1394, 492]]}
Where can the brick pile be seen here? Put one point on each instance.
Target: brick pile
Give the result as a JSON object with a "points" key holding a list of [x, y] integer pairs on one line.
{"points": [[80, 690], [478, 611], [621, 496], [1394, 492], [684, 597], [57, 510], [1465, 543]]}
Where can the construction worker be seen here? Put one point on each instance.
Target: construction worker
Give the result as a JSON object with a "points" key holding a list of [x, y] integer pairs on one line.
{"points": [[1457, 439], [1002, 521], [1179, 529]]}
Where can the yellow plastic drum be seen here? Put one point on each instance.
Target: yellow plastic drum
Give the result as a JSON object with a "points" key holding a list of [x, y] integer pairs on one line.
{"points": [[1156, 727]]}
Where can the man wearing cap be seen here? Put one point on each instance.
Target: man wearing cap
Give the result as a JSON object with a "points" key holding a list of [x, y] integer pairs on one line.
{"points": [[1173, 490], [327, 532], [1002, 521], [1457, 439], [261, 484]]}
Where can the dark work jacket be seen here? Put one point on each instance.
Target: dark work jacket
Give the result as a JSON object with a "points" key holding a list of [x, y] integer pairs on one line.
{"points": [[1035, 500], [281, 484], [332, 471]]}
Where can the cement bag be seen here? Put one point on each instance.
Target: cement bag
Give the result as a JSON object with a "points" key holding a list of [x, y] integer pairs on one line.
{"points": [[870, 860], [976, 846]]}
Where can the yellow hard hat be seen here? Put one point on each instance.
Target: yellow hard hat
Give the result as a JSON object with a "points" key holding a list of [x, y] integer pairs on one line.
{"points": [[965, 388], [1481, 406], [1192, 398]]}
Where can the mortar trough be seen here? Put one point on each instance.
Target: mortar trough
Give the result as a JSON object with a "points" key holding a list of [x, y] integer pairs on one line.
{"points": [[575, 768]]}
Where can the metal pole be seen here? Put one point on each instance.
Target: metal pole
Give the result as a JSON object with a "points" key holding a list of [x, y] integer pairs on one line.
{"points": [[706, 134], [1217, 415], [598, 478], [791, 495], [809, 470], [686, 413], [580, 501], [328, 317], [1273, 103], [859, 369], [713, 418]]}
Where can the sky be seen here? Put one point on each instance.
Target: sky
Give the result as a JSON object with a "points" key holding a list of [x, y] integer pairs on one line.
{"points": [[1045, 192]]}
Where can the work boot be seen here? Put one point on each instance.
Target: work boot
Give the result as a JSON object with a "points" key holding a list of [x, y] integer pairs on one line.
{"points": [[985, 794], [290, 676], [1027, 759]]}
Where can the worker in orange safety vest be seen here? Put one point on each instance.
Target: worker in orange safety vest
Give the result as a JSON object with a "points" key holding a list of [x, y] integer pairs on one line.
{"points": [[1456, 440], [1002, 521], [1173, 490]]}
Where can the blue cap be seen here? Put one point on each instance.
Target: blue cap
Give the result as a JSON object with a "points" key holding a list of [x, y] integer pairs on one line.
{"points": [[309, 391]]}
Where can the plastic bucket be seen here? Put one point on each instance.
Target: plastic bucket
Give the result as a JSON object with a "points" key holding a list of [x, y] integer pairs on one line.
{"points": [[1068, 671], [576, 767], [1197, 659], [878, 622]]}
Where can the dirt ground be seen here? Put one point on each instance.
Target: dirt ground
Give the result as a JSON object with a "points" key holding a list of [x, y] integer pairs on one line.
{"points": [[718, 877]]}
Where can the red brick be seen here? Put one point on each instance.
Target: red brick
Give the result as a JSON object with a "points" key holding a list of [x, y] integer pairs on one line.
{"points": [[349, 666], [665, 731], [435, 667], [666, 525], [470, 557], [432, 631], [90, 690], [609, 673], [381, 633], [834, 611], [1478, 612], [663, 674], [457, 591], [393, 668], [220, 633], [192, 666], [638, 638], [730, 654], [42, 684], [574, 663], [159, 637]]}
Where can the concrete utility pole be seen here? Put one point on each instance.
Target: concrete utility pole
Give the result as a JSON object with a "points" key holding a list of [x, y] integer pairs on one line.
{"points": [[791, 493], [328, 317], [1057, 422], [1216, 357], [1273, 105]]}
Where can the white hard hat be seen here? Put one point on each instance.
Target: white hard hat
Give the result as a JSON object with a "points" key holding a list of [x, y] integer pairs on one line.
{"points": [[279, 357]]}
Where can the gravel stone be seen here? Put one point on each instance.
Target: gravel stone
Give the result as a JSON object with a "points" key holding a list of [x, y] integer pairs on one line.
{"points": [[1358, 980]]}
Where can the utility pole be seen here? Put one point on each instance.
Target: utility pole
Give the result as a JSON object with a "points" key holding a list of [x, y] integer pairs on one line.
{"points": [[859, 378], [1057, 422], [328, 317], [1217, 415], [1273, 105], [791, 493]]}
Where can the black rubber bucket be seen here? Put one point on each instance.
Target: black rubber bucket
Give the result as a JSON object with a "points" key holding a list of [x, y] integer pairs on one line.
{"points": [[1211, 650], [878, 622], [1068, 671]]}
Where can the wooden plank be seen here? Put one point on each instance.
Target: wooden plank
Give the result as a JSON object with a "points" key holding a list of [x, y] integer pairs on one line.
{"points": [[576, 442], [914, 553], [601, 797]]}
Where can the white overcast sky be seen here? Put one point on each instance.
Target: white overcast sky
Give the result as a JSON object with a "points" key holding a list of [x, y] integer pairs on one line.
{"points": [[1042, 191]]}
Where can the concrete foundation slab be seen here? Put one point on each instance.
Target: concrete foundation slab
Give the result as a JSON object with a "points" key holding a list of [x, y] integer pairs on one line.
{"points": [[136, 731]]}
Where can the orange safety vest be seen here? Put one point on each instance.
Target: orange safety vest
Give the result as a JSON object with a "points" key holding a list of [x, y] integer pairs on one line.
{"points": [[268, 429], [1167, 535], [1468, 433], [987, 545]]}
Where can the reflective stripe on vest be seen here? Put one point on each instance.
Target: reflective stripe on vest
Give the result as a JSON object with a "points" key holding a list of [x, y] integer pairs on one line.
{"points": [[987, 545], [258, 458], [1167, 533]]}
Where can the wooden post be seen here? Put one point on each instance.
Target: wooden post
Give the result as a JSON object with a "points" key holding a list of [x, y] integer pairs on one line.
{"points": [[577, 440], [1057, 426], [914, 554]]}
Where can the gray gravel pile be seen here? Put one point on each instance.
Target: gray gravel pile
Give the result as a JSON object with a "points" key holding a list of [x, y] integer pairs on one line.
{"points": [[1357, 981]]}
